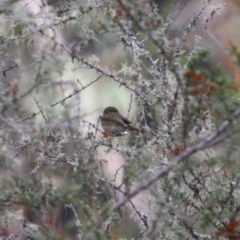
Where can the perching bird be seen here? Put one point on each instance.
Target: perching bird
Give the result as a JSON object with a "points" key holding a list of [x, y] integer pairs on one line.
{"points": [[114, 124]]}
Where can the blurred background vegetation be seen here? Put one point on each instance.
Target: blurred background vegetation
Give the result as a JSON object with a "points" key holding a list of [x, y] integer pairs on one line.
{"points": [[62, 63]]}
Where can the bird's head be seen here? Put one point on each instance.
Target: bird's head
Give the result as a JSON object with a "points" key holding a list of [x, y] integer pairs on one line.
{"points": [[109, 109]]}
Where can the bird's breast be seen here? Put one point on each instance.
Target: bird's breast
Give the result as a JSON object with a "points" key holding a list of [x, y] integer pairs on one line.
{"points": [[112, 127]]}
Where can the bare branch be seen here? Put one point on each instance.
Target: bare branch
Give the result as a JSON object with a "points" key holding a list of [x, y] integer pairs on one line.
{"points": [[106, 73], [205, 143]]}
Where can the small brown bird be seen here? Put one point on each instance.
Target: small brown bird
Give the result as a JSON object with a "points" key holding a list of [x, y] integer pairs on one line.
{"points": [[114, 124]]}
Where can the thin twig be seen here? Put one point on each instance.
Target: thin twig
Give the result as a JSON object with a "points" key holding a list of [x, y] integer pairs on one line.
{"points": [[205, 143], [106, 73], [76, 91], [9, 68]]}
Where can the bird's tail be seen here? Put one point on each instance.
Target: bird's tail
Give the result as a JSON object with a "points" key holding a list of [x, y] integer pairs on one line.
{"points": [[134, 129]]}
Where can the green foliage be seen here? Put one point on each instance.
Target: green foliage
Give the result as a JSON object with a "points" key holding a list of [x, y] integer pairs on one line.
{"points": [[62, 177]]}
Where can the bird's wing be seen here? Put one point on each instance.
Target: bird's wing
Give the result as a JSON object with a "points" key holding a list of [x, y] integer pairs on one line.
{"points": [[112, 118], [125, 120]]}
